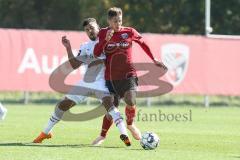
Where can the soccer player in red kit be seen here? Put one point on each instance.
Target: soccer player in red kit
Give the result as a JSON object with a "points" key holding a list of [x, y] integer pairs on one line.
{"points": [[121, 78]]}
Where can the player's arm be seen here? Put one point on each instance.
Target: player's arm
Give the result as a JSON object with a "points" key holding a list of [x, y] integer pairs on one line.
{"points": [[139, 39], [102, 41], [73, 61], [97, 62]]}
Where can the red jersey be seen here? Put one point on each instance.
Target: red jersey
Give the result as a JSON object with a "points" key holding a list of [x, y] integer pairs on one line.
{"points": [[118, 51]]}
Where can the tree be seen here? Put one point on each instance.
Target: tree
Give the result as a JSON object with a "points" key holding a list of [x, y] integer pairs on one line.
{"points": [[155, 16]]}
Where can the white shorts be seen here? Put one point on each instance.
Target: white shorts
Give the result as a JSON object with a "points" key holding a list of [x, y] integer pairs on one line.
{"points": [[83, 90]]}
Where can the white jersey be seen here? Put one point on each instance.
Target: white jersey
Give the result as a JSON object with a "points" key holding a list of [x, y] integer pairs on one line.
{"points": [[93, 82], [86, 56]]}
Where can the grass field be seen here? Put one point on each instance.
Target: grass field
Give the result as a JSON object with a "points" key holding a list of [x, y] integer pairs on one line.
{"points": [[212, 133]]}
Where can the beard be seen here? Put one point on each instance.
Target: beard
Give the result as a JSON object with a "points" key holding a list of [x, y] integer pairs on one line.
{"points": [[92, 37]]}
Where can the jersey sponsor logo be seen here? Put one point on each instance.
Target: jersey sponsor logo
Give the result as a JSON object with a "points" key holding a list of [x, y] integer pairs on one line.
{"points": [[124, 44], [112, 46], [176, 57], [124, 36]]}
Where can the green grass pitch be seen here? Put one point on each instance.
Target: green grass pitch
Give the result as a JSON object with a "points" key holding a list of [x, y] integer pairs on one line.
{"points": [[212, 134]]}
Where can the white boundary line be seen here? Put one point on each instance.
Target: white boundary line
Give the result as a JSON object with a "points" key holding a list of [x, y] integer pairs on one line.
{"points": [[219, 36]]}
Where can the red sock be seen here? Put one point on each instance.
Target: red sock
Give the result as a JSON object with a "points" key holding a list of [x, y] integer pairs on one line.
{"points": [[130, 112], [106, 124]]}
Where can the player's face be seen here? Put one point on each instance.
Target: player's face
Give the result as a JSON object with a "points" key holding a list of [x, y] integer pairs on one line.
{"points": [[92, 30], [115, 22]]}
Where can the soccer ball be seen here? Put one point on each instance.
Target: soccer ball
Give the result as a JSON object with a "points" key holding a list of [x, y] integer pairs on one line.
{"points": [[149, 140]]}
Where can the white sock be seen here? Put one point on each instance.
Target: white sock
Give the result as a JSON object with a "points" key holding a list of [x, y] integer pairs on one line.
{"points": [[54, 119], [2, 109], [118, 120], [3, 112]]}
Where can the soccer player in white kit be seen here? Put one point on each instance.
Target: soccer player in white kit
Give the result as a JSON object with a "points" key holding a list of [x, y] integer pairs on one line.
{"points": [[93, 80], [3, 112]]}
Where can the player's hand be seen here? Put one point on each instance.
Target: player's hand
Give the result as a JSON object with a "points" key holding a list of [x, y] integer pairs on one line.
{"points": [[66, 42], [160, 64], [109, 34]]}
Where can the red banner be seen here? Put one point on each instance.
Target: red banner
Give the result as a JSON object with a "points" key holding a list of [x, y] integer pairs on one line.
{"points": [[197, 64]]}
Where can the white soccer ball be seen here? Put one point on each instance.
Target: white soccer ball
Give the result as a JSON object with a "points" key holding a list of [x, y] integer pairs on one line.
{"points": [[149, 140]]}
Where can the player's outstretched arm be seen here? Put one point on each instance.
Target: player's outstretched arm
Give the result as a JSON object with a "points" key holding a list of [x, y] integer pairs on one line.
{"points": [[159, 64], [139, 39], [73, 61], [147, 50]]}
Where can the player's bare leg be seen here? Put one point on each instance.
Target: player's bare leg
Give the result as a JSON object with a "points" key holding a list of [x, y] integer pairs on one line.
{"points": [[130, 112], [60, 108]]}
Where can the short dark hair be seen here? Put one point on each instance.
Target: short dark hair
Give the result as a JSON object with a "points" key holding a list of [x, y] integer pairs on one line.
{"points": [[86, 21], [114, 11]]}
